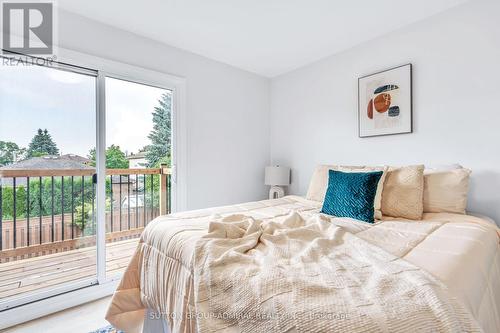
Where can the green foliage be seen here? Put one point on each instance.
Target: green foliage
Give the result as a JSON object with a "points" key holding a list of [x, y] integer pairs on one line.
{"points": [[71, 201], [46, 197], [164, 160], [152, 198], [92, 157], [8, 202], [83, 220], [10, 153], [42, 144], [115, 158], [84, 216], [161, 133], [156, 182]]}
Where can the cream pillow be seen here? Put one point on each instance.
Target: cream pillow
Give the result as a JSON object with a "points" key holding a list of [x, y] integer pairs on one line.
{"points": [[319, 183], [443, 167], [445, 191], [402, 194]]}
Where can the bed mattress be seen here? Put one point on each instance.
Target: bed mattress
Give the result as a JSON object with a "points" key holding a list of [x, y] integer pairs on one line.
{"points": [[461, 251]]}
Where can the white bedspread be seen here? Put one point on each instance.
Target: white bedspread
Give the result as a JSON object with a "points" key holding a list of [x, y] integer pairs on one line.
{"points": [[290, 275], [461, 251]]}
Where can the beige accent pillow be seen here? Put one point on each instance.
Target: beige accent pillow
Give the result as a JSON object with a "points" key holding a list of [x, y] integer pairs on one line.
{"points": [[319, 183], [445, 191], [402, 195]]}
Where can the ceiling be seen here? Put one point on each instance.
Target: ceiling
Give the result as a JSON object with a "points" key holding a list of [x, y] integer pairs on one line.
{"points": [[267, 37]]}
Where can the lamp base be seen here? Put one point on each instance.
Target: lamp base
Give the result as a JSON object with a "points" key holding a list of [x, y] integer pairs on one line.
{"points": [[276, 192]]}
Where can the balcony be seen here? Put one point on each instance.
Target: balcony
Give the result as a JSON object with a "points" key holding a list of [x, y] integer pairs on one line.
{"points": [[48, 224]]}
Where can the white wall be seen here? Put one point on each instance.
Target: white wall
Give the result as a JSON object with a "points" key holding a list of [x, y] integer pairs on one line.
{"points": [[227, 110], [456, 76]]}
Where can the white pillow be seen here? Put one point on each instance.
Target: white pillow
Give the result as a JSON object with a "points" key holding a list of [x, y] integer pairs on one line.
{"points": [[319, 183], [445, 191]]}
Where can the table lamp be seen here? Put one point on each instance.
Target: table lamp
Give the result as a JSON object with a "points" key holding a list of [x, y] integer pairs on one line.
{"points": [[277, 176]]}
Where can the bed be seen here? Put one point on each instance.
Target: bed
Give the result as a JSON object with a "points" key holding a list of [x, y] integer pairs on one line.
{"points": [[459, 251]]}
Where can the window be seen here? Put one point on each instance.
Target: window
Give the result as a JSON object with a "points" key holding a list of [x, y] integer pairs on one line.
{"points": [[86, 158]]}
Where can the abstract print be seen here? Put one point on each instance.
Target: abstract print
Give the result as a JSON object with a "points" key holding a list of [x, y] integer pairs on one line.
{"points": [[386, 100]]}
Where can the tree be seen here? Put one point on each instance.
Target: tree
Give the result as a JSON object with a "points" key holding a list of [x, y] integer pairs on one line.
{"points": [[49, 197], [160, 135], [115, 158], [10, 153], [42, 144]]}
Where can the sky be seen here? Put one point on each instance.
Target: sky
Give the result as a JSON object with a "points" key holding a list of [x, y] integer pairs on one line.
{"points": [[64, 103]]}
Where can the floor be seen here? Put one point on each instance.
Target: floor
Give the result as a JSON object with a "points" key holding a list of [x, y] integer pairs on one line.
{"points": [[80, 319], [18, 278]]}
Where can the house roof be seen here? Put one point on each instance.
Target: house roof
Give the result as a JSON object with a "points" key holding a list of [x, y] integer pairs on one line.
{"points": [[139, 156], [76, 158], [49, 162]]}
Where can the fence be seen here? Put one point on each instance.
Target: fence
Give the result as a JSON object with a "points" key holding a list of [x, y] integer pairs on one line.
{"points": [[48, 211]]}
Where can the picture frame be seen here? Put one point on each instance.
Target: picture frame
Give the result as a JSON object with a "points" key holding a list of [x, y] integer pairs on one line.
{"points": [[385, 102]]}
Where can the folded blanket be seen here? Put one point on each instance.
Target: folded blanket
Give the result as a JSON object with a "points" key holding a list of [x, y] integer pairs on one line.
{"points": [[292, 274]]}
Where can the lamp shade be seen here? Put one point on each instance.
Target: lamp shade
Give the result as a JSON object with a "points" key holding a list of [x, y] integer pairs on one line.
{"points": [[277, 175]]}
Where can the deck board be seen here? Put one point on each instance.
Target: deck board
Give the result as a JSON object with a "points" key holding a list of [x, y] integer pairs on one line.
{"points": [[19, 278]]}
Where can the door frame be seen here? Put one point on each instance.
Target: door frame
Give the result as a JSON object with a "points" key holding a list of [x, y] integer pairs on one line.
{"points": [[72, 295], [154, 78], [113, 69]]}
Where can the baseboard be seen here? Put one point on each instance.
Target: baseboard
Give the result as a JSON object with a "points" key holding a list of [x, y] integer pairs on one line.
{"points": [[47, 306]]}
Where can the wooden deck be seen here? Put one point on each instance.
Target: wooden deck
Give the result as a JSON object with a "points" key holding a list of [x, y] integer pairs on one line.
{"points": [[21, 277]]}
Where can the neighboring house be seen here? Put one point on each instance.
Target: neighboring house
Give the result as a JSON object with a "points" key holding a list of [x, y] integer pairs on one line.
{"points": [[137, 161], [136, 201], [123, 181], [77, 158], [49, 162], [68, 161]]}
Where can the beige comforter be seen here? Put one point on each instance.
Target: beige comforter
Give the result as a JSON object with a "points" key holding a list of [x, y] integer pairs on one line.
{"points": [[461, 251]]}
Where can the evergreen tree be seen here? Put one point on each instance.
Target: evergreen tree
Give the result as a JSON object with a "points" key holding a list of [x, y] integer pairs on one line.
{"points": [[42, 144], [160, 136]]}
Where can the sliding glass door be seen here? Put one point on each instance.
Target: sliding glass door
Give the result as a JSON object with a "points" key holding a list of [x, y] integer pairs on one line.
{"points": [[85, 165], [47, 182], [138, 159]]}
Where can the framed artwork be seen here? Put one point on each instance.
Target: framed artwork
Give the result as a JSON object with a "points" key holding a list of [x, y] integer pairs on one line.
{"points": [[385, 102]]}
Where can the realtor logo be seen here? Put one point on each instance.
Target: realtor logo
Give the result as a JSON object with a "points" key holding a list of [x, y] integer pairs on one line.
{"points": [[28, 28]]}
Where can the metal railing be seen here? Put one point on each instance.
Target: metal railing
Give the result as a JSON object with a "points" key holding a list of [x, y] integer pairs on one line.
{"points": [[45, 211]]}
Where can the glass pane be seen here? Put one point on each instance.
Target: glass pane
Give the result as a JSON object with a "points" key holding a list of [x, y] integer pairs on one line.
{"points": [[47, 128], [138, 139]]}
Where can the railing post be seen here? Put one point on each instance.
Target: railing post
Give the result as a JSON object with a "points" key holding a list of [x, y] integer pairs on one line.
{"points": [[163, 189]]}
